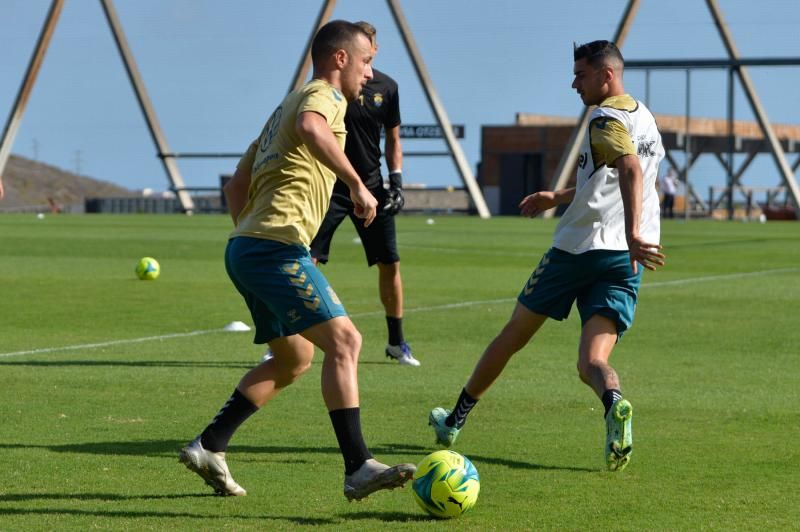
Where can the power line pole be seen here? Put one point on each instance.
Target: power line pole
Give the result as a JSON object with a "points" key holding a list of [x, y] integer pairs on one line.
{"points": [[78, 162]]}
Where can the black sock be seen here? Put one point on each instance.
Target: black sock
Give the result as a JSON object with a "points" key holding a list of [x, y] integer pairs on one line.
{"points": [[347, 426], [233, 413], [609, 398], [458, 416], [395, 326]]}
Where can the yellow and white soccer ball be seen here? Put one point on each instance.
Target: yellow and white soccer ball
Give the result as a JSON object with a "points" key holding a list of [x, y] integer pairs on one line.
{"points": [[147, 269], [446, 484]]}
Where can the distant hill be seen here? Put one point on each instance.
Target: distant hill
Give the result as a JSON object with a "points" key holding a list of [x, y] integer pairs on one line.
{"points": [[29, 185]]}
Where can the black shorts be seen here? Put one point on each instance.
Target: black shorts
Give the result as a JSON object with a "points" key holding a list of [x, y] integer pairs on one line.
{"points": [[379, 239]]}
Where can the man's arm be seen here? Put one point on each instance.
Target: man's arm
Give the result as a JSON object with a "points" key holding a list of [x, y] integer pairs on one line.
{"points": [[631, 188], [393, 150], [318, 136], [539, 202], [236, 190], [2, 193], [238, 187]]}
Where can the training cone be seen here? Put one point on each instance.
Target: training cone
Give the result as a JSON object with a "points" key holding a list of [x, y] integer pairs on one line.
{"points": [[237, 326]]}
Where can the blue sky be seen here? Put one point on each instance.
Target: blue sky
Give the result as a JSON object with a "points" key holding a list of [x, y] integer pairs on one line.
{"points": [[215, 71]]}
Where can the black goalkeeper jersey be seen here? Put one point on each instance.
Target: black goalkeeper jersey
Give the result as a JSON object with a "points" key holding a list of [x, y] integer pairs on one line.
{"points": [[377, 107]]}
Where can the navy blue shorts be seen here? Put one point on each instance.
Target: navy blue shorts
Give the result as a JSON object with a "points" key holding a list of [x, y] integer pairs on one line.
{"points": [[601, 281], [285, 292]]}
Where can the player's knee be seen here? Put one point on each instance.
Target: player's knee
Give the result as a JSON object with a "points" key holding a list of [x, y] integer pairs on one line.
{"points": [[347, 344], [352, 342], [587, 368], [287, 375], [291, 363], [298, 370], [300, 365], [289, 371]]}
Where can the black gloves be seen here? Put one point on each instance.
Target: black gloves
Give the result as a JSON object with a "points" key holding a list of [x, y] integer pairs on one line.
{"points": [[394, 196]]}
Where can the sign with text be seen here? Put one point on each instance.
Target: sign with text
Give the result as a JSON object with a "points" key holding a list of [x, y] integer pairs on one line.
{"points": [[428, 131]]}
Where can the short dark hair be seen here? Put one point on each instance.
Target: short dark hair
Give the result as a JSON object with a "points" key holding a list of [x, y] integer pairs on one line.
{"points": [[598, 52], [335, 35], [369, 29]]}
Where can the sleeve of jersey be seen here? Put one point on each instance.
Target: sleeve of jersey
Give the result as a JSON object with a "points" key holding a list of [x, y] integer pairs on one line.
{"points": [[247, 160], [609, 141], [321, 102]]}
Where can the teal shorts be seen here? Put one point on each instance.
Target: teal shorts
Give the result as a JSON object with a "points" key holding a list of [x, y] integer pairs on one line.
{"points": [[283, 289], [601, 281]]}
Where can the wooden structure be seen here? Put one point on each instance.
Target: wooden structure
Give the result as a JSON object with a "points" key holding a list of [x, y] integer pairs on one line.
{"points": [[520, 159]]}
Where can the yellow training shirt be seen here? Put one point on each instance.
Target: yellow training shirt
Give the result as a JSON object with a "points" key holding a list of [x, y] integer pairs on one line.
{"points": [[290, 190]]}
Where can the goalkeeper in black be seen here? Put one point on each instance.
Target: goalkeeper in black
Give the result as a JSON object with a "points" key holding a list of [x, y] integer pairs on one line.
{"points": [[378, 107]]}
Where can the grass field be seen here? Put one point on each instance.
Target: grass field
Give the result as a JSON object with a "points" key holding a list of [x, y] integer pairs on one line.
{"points": [[104, 377]]}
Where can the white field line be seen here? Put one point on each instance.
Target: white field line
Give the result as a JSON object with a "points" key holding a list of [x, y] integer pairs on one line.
{"points": [[436, 307], [109, 343], [473, 251], [462, 304], [725, 277]]}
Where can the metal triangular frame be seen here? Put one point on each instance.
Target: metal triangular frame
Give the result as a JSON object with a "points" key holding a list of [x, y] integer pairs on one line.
{"points": [[562, 171], [568, 158], [157, 134], [453, 146], [755, 104]]}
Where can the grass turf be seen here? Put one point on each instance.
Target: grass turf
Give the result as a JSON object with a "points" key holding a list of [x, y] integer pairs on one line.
{"points": [[90, 434]]}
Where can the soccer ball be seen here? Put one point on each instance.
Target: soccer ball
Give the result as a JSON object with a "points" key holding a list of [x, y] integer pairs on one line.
{"points": [[147, 269], [446, 484]]}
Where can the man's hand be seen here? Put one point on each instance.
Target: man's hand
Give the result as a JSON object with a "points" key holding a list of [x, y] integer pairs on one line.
{"points": [[648, 255], [364, 204], [394, 197], [537, 203], [394, 201]]}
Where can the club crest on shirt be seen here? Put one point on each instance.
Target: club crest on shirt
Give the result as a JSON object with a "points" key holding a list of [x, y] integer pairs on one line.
{"points": [[377, 99]]}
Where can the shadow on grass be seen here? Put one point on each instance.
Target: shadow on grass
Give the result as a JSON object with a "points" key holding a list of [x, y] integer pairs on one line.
{"points": [[404, 449], [389, 517], [110, 497], [392, 517], [157, 448], [516, 464], [129, 363], [182, 515], [160, 448], [170, 448]]}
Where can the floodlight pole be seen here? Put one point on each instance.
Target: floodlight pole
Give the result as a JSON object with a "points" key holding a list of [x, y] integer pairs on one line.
{"points": [[438, 110], [305, 60], [570, 155], [731, 147], [755, 104], [687, 147], [15, 116], [170, 166]]}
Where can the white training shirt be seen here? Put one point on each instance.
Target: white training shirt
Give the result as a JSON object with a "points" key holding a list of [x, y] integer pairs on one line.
{"points": [[596, 217]]}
